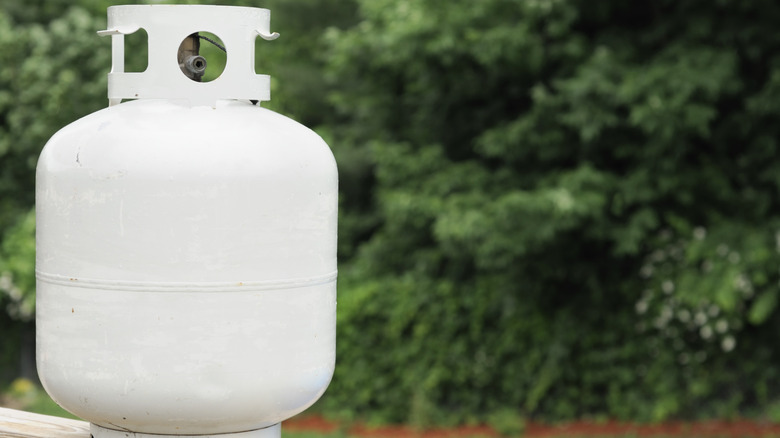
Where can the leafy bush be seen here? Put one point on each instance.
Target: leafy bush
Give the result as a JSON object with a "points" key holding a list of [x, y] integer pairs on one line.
{"points": [[576, 210]]}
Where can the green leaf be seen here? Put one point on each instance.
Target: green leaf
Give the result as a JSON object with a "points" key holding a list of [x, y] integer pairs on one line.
{"points": [[763, 307]]}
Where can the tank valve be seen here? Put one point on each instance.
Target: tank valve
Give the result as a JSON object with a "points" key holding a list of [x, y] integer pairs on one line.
{"points": [[195, 65]]}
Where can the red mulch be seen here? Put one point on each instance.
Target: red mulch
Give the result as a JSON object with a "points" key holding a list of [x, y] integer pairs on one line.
{"points": [[715, 428]]}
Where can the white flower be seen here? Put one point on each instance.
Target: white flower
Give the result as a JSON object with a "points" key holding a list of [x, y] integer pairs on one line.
{"points": [[667, 286], [700, 318], [699, 233], [5, 281], [705, 332], [728, 343], [741, 282]]}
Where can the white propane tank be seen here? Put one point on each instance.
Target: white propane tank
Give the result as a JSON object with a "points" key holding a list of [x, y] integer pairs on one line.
{"points": [[186, 245]]}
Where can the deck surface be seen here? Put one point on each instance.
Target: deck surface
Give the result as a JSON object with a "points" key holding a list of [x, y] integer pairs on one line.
{"points": [[18, 424]]}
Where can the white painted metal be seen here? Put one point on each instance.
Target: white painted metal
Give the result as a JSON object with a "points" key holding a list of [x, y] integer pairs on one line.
{"points": [[186, 266], [166, 27]]}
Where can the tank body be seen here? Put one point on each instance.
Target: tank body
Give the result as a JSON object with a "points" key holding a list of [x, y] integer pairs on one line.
{"points": [[186, 267]]}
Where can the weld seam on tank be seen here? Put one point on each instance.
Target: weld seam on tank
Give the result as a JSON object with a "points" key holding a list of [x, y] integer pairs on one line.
{"points": [[151, 286]]}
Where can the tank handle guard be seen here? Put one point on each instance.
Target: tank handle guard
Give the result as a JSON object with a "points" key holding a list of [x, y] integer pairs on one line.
{"points": [[167, 26]]}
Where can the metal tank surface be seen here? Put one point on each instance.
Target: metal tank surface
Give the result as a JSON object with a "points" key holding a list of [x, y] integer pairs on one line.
{"points": [[186, 244]]}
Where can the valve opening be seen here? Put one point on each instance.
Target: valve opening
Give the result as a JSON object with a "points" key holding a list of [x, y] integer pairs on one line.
{"points": [[202, 56]]}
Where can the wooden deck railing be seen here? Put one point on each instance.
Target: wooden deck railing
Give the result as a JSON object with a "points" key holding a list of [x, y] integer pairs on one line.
{"points": [[18, 424]]}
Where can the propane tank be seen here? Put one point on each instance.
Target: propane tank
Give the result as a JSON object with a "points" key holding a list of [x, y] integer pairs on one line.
{"points": [[186, 244]]}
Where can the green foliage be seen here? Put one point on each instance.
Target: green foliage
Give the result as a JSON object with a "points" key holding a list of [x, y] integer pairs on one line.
{"points": [[507, 423], [17, 269], [574, 209]]}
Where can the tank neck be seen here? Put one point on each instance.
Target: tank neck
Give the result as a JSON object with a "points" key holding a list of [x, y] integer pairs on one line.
{"points": [[170, 28]]}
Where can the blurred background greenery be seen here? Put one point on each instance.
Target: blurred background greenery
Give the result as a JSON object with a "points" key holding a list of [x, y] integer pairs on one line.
{"points": [[549, 209]]}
